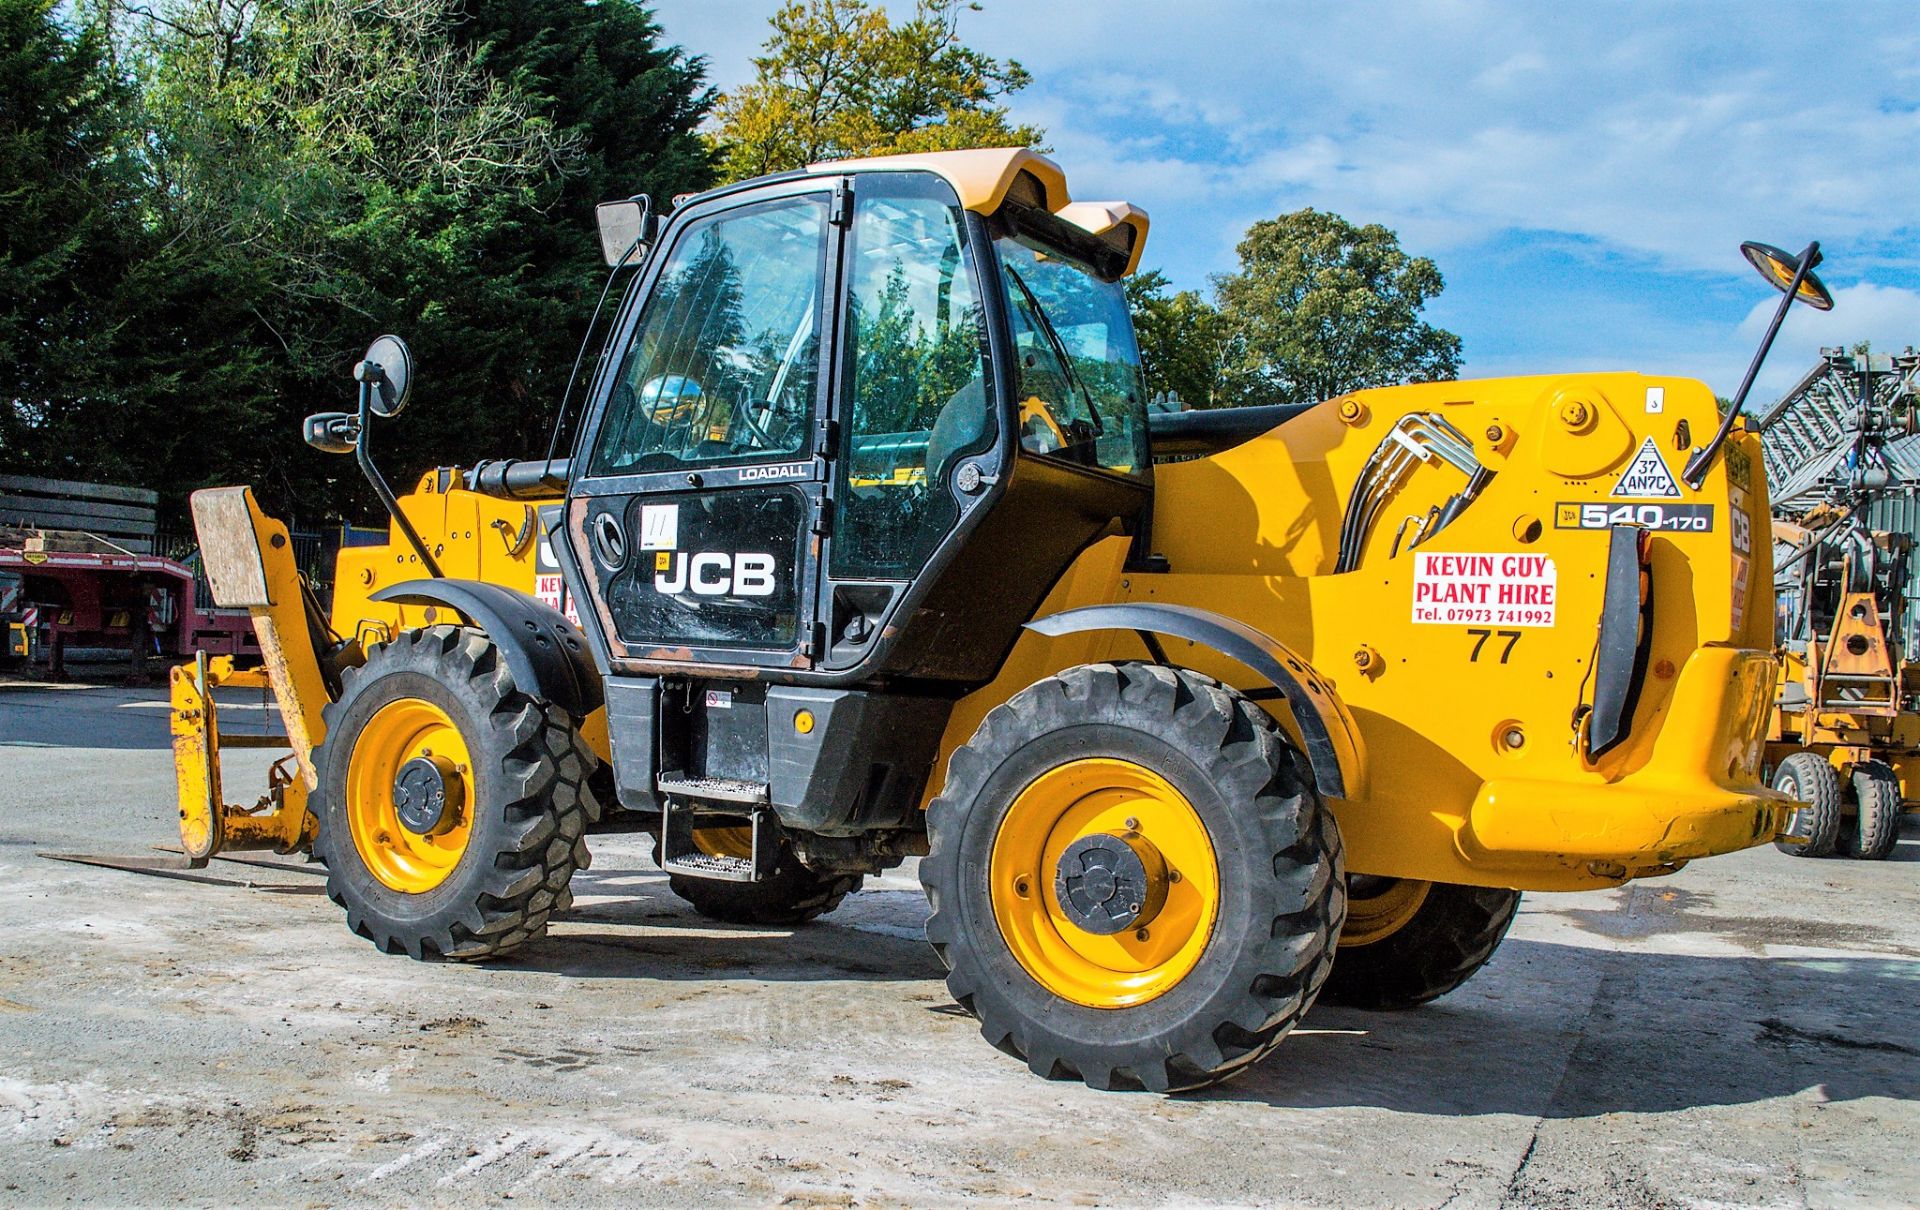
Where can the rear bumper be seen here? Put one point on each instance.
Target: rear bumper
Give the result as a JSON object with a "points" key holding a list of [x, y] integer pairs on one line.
{"points": [[1685, 785]]}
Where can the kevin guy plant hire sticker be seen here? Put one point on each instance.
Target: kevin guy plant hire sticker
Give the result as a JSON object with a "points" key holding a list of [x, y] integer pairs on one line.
{"points": [[1494, 590]]}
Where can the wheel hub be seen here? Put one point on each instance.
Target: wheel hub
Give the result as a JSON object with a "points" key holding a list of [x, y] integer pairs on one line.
{"points": [[1109, 882], [424, 793]]}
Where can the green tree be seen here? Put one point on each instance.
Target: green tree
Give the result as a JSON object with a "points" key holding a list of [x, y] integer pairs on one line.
{"points": [[1320, 307], [839, 78], [69, 209], [629, 107], [1183, 338], [318, 171]]}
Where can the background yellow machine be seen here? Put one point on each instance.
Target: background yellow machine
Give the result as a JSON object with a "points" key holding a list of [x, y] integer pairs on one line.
{"points": [[1844, 735], [876, 552]]}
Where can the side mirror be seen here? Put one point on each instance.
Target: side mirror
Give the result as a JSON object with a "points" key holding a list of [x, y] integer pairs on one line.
{"points": [[670, 397], [332, 432], [1782, 269], [626, 228], [1792, 276], [388, 369]]}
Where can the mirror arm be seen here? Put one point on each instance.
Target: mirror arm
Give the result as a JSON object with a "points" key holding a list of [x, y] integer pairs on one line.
{"points": [[364, 457], [1696, 471]]}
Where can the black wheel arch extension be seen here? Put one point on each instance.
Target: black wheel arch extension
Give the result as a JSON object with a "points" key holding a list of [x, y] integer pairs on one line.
{"points": [[547, 654], [1327, 732]]}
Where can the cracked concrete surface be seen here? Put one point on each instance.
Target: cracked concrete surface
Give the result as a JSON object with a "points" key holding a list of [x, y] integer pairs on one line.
{"points": [[1745, 1033]]}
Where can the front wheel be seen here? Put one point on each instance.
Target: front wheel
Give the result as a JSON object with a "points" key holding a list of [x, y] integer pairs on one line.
{"points": [[1407, 942], [1132, 882], [451, 805]]}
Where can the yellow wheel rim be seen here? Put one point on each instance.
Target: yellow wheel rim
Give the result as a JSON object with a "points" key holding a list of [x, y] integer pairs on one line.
{"points": [[1377, 908], [398, 733], [1080, 799]]}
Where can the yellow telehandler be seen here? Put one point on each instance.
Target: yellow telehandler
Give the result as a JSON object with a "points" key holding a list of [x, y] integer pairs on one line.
{"points": [[868, 547]]}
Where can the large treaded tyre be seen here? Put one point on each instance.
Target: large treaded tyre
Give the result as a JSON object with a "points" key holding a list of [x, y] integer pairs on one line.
{"points": [[1810, 778], [1876, 795], [1275, 858], [792, 895], [526, 802], [1446, 941]]}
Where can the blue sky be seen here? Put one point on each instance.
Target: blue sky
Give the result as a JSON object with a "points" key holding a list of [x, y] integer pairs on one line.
{"points": [[1583, 173]]}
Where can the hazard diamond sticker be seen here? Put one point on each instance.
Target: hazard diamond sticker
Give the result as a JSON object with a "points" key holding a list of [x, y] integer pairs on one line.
{"points": [[1647, 476]]}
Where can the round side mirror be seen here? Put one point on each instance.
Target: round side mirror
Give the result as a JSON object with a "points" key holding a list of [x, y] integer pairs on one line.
{"points": [[1779, 266], [388, 367]]}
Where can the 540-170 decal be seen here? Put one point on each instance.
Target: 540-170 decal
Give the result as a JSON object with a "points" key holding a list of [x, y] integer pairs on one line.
{"points": [[1674, 518]]}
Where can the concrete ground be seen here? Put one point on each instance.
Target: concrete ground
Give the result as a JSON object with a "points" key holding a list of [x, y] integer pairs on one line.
{"points": [[1745, 1033]]}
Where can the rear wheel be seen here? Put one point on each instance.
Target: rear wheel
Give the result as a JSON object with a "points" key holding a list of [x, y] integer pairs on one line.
{"points": [[792, 894], [451, 806], [1810, 778], [1876, 792], [1407, 942], [1132, 882]]}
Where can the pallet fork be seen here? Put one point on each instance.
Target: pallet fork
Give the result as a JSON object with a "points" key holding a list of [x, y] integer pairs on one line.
{"points": [[249, 562]]}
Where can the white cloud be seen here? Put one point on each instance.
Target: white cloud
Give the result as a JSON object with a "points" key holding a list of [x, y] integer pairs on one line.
{"points": [[1670, 131], [1887, 316], [1652, 137]]}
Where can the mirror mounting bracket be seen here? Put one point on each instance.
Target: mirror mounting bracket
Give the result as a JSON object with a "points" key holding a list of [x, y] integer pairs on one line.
{"points": [[372, 376], [1774, 264]]}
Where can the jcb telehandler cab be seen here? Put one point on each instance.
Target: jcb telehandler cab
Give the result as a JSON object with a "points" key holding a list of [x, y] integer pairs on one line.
{"points": [[871, 558]]}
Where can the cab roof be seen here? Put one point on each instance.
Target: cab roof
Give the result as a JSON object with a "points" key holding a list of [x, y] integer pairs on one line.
{"points": [[985, 177]]}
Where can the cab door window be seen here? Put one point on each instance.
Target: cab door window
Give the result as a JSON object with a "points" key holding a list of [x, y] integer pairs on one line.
{"points": [[918, 398], [724, 366], [1078, 376]]}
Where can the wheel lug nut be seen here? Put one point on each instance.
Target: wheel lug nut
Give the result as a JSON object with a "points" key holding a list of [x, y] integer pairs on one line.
{"points": [[1139, 934], [1133, 825], [1173, 875]]}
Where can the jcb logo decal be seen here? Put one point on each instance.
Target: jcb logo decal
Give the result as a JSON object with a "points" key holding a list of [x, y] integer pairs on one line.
{"points": [[714, 574]]}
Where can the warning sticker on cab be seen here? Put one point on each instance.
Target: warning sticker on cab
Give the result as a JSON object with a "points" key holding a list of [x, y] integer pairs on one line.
{"points": [[1483, 590]]}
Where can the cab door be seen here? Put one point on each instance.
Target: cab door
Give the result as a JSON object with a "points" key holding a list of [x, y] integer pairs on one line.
{"points": [[695, 519]]}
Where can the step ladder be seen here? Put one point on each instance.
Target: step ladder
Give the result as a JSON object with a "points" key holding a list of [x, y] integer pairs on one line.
{"points": [[689, 803]]}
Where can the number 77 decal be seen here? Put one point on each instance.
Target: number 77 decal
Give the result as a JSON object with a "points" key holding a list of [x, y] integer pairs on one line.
{"points": [[1511, 636]]}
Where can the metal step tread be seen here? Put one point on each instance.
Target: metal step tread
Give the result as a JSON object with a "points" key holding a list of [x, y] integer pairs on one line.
{"points": [[711, 865], [713, 789]]}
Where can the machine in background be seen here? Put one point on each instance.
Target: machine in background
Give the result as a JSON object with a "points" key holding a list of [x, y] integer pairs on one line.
{"points": [[1844, 735]]}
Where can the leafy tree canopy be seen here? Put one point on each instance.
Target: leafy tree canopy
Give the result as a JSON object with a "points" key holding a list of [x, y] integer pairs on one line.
{"points": [[310, 173], [839, 78], [1184, 340], [1320, 307], [69, 219]]}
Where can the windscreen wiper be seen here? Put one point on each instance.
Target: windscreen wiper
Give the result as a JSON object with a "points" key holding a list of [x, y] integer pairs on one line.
{"points": [[1059, 347]]}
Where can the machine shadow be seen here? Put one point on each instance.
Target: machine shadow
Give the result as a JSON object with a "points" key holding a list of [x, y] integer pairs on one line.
{"points": [[649, 933], [1668, 1032]]}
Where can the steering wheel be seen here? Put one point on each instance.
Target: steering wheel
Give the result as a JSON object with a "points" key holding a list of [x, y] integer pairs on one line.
{"points": [[754, 429]]}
